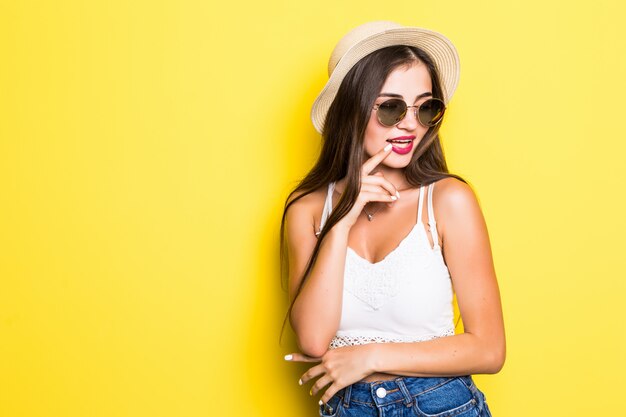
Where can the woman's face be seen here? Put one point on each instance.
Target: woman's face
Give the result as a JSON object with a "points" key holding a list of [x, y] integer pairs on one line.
{"points": [[413, 85]]}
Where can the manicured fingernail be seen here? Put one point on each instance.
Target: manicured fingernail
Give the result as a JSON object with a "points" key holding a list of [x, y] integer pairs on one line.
{"points": [[388, 147], [288, 357], [393, 197], [321, 402], [300, 381], [397, 194]]}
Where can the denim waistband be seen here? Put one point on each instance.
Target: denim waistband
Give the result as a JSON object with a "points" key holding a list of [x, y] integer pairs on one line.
{"points": [[395, 390]]}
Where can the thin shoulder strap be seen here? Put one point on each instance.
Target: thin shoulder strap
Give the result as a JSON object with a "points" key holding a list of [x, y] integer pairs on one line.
{"points": [[420, 205], [328, 206], [431, 217]]}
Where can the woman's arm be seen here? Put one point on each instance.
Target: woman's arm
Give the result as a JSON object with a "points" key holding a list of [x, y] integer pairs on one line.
{"points": [[461, 354], [316, 312], [482, 348]]}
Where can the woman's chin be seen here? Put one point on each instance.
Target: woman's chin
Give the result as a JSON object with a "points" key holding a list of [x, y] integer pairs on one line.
{"points": [[399, 164]]}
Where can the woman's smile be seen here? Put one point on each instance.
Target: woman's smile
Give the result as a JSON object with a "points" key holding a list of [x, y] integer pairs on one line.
{"points": [[402, 144]]}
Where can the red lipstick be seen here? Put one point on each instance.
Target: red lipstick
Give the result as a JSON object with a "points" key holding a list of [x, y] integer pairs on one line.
{"points": [[400, 146]]}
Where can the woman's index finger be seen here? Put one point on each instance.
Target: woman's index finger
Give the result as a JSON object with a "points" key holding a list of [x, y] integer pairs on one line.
{"points": [[376, 159]]}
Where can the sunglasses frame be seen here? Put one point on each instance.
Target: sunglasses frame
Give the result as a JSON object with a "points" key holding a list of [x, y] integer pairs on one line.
{"points": [[416, 111]]}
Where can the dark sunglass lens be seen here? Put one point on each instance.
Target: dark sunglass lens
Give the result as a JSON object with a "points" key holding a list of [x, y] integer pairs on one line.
{"points": [[391, 111], [431, 112]]}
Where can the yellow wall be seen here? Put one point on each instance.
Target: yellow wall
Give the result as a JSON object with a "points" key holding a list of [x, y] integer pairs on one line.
{"points": [[146, 149]]}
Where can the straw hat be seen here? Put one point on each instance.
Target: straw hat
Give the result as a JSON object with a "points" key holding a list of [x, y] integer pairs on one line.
{"points": [[372, 36]]}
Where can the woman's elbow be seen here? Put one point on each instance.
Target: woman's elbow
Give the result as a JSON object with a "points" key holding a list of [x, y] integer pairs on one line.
{"points": [[495, 360], [314, 348], [311, 342]]}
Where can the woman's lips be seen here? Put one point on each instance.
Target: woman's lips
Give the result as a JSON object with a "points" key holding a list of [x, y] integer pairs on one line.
{"points": [[395, 147], [402, 148]]}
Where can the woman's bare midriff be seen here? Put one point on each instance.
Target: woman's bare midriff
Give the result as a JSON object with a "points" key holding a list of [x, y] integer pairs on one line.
{"points": [[378, 376]]}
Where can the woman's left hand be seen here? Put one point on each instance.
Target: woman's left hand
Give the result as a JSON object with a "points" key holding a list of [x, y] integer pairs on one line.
{"points": [[339, 367]]}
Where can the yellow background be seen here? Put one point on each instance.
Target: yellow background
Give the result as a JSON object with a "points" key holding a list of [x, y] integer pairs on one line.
{"points": [[146, 150]]}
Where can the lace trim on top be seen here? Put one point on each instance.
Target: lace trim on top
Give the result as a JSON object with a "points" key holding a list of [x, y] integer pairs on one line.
{"points": [[376, 284], [347, 340]]}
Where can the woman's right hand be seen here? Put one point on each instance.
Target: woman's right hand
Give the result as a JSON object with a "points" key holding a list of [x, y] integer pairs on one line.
{"points": [[374, 187]]}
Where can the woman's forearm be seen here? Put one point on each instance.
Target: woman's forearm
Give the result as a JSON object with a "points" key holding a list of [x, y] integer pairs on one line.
{"points": [[461, 354], [316, 312]]}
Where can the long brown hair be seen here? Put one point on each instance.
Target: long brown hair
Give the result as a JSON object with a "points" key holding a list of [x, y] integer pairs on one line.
{"points": [[342, 142]]}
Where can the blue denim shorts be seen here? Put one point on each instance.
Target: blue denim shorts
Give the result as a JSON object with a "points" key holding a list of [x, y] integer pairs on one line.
{"points": [[409, 397]]}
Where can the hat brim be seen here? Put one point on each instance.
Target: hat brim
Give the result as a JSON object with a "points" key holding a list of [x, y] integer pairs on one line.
{"points": [[437, 46]]}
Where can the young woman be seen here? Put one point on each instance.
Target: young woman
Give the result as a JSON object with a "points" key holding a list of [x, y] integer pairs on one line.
{"points": [[379, 235]]}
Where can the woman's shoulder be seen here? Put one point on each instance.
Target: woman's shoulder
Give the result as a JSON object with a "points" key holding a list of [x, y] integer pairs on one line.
{"points": [[454, 202], [452, 198], [302, 198], [307, 206], [452, 189]]}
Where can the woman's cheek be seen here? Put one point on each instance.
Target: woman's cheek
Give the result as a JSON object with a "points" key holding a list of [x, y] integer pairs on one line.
{"points": [[375, 140]]}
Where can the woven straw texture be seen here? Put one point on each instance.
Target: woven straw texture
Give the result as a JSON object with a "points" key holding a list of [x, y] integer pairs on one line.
{"points": [[369, 37]]}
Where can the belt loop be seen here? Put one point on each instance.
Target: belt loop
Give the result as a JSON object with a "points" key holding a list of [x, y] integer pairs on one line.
{"points": [[407, 395], [469, 382], [346, 396]]}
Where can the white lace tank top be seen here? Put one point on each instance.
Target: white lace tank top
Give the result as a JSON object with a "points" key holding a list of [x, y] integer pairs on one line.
{"points": [[405, 297]]}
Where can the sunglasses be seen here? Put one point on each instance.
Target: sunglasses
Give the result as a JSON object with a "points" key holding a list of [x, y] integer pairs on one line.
{"points": [[392, 111]]}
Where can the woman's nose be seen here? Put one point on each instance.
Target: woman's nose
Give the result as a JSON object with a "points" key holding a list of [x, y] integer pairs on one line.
{"points": [[409, 121]]}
